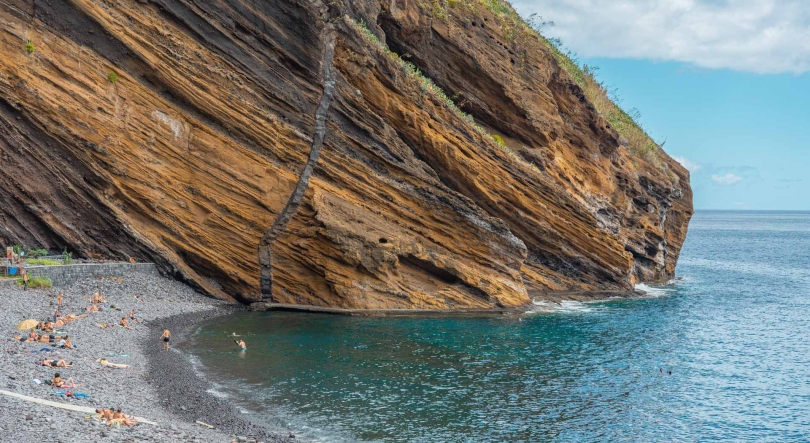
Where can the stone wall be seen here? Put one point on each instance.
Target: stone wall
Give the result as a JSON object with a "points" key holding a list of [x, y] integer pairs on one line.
{"points": [[68, 274]]}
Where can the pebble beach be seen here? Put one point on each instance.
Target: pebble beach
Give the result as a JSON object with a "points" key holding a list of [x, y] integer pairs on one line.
{"points": [[159, 385]]}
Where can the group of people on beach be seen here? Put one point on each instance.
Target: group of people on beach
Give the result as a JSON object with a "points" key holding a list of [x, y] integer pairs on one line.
{"points": [[45, 331], [115, 417]]}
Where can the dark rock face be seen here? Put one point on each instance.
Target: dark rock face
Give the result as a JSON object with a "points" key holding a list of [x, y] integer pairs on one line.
{"points": [[189, 156]]}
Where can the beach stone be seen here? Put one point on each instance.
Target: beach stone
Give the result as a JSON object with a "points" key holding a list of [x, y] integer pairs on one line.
{"points": [[146, 381]]}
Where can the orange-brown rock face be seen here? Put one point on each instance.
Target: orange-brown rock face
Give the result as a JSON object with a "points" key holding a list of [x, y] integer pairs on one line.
{"points": [[187, 157]]}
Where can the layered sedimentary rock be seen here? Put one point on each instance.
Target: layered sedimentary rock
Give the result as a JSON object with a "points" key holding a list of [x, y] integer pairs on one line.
{"points": [[189, 152]]}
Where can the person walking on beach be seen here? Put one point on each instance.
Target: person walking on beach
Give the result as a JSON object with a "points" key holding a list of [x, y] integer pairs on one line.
{"points": [[166, 337], [25, 280], [241, 344], [59, 305]]}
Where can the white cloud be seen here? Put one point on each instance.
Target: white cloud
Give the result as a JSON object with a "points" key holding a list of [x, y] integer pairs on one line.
{"points": [[726, 180], [764, 36], [688, 164]]}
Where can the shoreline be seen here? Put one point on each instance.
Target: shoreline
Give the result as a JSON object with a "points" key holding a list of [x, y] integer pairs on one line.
{"points": [[159, 386], [185, 393], [548, 297], [154, 386]]}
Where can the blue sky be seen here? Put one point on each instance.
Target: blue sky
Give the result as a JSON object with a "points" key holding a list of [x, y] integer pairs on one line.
{"points": [[725, 83]]}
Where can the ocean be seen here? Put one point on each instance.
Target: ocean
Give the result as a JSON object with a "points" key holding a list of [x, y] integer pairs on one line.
{"points": [[719, 354]]}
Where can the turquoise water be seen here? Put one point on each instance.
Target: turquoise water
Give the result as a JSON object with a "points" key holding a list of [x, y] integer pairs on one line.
{"points": [[735, 332]]}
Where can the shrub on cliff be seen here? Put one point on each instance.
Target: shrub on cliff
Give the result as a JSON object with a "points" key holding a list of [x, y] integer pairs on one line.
{"points": [[37, 253], [523, 32], [29, 47]]}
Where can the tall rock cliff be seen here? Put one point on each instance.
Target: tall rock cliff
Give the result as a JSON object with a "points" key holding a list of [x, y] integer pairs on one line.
{"points": [[175, 130]]}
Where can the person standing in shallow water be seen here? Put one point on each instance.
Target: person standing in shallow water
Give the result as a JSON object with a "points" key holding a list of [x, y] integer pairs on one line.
{"points": [[166, 337], [241, 344]]}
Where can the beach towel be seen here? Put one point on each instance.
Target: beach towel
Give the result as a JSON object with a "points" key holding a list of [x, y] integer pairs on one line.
{"points": [[79, 395], [45, 350], [104, 362]]}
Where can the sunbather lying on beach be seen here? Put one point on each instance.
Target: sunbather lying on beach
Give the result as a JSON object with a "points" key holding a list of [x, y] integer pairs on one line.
{"points": [[124, 323], [91, 308], [32, 337], [131, 316], [72, 317], [65, 343], [105, 414], [97, 298], [45, 325], [55, 363], [59, 382], [122, 418], [104, 362], [45, 338]]}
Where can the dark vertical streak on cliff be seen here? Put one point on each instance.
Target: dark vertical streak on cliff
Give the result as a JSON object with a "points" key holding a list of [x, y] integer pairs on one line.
{"points": [[266, 244]]}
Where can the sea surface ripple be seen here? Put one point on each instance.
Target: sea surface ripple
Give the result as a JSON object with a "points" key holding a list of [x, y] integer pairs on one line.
{"points": [[734, 331]]}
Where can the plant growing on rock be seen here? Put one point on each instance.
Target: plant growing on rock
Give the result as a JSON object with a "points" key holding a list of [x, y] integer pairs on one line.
{"points": [[37, 252], [112, 77], [36, 282], [427, 85], [522, 32], [29, 47], [67, 257]]}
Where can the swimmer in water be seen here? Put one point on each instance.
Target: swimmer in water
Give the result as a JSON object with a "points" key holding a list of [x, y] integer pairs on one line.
{"points": [[241, 344]]}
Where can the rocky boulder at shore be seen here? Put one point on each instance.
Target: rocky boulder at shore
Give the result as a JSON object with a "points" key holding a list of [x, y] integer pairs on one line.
{"points": [[174, 131]]}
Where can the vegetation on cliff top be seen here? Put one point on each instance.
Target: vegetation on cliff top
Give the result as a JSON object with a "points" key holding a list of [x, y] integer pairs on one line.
{"points": [[429, 87], [521, 31]]}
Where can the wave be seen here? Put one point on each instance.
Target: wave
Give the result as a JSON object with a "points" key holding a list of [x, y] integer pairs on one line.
{"points": [[564, 306], [657, 290], [578, 307]]}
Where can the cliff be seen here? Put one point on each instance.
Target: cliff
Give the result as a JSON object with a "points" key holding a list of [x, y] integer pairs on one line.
{"points": [[175, 130]]}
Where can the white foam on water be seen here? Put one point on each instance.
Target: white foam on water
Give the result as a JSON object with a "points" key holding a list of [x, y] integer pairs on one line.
{"points": [[577, 307], [196, 365], [655, 291], [218, 394], [565, 306]]}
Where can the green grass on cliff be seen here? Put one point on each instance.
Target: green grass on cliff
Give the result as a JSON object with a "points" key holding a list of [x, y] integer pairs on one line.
{"points": [[425, 83], [429, 87], [521, 31]]}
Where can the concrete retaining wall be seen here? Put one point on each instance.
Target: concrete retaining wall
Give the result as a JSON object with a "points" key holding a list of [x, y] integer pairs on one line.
{"points": [[68, 274]]}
